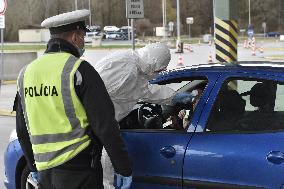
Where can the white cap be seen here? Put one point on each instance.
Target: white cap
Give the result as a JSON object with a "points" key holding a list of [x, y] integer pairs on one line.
{"points": [[66, 21], [65, 18]]}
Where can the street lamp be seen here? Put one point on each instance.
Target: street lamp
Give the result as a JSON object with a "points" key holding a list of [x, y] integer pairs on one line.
{"points": [[76, 5], [178, 22], [249, 14], [90, 17], [164, 6]]}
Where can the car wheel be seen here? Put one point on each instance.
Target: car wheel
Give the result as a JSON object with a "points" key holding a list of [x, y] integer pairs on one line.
{"points": [[24, 177]]}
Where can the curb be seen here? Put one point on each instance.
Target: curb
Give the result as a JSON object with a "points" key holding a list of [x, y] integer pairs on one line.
{"points": [[9, 82], [7, 113]]}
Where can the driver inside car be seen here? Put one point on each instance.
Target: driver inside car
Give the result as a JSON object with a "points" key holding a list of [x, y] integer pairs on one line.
{"points": [[126, 75], [174, 118], [176, 112]]}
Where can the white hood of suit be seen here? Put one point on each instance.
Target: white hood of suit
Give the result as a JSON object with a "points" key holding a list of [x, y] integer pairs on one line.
{"points": [[155, 57]]}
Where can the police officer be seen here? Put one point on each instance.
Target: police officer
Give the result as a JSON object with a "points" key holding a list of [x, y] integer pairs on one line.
{"points": [[65, 115]]}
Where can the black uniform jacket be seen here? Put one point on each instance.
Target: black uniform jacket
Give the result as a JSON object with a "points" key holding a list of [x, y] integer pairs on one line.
{"points": [[100, 112]]}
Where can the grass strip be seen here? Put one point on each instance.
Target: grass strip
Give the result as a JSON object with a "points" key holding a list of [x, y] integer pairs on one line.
{"points": [[275, 57]]}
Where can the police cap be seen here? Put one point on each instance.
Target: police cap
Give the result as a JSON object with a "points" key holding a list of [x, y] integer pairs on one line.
{"points": [[67, 21]]}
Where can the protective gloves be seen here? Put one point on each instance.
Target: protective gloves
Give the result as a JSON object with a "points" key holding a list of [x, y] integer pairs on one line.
{"points": [[121, 182], [34, 176], [33, 180]]}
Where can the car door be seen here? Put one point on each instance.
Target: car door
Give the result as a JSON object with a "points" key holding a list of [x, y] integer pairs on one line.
{"points": [[158, 155], [240, 157]]}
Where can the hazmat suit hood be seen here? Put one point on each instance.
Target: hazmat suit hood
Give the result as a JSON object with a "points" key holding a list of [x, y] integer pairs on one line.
{"points": [[154, 59]]}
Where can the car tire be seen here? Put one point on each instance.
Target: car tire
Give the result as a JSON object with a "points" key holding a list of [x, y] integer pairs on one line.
{"points": [[24, 177]]}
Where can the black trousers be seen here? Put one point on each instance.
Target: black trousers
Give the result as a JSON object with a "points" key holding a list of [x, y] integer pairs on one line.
{"points": [[56, 178], [82, 172]]}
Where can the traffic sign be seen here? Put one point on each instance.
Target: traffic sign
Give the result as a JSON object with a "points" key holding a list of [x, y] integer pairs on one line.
{"points": [[171, 26], [134, 9], [250, 31], [189, 20], [263, 24], [3, 6], [264, 28], [2, 21]]}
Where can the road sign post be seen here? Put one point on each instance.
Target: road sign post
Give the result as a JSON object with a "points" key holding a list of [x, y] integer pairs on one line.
{"points": [[189, 21], [3, 7], [171, 27], [134, 10], [264, 28], [178, 24]]}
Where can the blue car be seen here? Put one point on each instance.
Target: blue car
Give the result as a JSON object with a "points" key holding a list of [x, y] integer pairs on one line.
{"points": [[273, 34], [230, 134]]}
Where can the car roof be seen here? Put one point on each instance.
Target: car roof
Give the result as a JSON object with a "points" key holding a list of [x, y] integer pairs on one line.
{"points": [[250, 66], [242, 65]]}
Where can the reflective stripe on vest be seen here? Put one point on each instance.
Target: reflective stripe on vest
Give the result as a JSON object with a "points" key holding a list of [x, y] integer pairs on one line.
{"points": [[54, 149]]}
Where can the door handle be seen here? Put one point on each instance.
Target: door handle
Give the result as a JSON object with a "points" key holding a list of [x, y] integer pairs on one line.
{"points": [[275, 157], [168, 151]]}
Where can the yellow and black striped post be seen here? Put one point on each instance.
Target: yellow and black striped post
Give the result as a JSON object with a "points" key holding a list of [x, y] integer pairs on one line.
{"points": [[226, 30], [226, 40]]}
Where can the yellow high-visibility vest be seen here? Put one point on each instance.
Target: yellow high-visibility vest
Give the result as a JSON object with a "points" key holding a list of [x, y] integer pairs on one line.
{"points": [[55, 118]]}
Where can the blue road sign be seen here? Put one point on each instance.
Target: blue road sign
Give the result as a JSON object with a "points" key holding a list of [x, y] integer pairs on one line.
{"points": [[250, 31]]}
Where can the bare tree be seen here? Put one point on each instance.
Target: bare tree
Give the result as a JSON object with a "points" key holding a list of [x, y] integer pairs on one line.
{"points": [[27, 13], [143, 26]]}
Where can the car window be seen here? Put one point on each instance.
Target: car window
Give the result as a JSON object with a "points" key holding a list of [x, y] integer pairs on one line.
{"points": [[248, 106], [177, 86], [174, 117]]}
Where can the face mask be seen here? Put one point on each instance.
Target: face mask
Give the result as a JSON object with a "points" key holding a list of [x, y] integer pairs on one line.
{"points": [[81, 51]]}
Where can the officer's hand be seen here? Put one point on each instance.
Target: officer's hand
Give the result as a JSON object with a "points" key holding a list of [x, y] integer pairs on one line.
{"points": [[34, 176], [122, 182]]}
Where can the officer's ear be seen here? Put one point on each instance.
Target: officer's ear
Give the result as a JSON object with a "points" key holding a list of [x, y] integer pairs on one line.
{"points": [[74, 38]]}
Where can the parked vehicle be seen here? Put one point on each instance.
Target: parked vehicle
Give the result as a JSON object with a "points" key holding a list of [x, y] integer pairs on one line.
{"points": [[116, 35], [111, 28], [273, 34], [124, 30], [233, 137], [90, 35], [95, 28], [125, 27]]}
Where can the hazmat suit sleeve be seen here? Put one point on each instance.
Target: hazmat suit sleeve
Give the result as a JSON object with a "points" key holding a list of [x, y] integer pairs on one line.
{"points": [[100, 112], [157, 94]]}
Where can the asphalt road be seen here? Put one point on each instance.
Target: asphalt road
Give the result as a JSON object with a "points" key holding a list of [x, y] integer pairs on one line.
{"points": [[199, 56]]}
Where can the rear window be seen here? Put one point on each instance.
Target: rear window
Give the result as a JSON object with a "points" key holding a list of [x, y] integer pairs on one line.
{"points": [[248, 105]]}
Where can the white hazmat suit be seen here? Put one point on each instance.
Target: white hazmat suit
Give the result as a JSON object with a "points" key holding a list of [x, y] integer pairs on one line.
{"points": [[126, 75]]}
